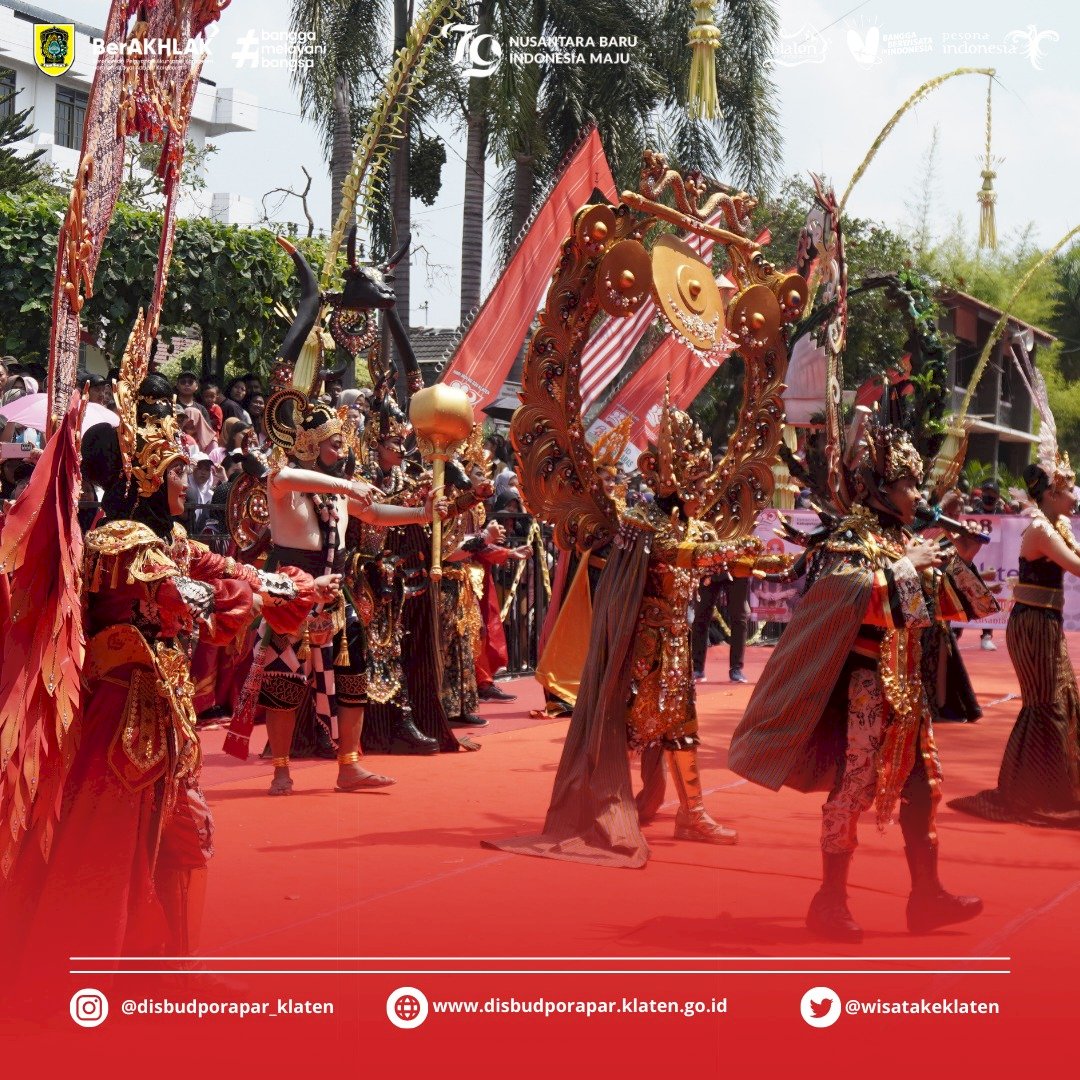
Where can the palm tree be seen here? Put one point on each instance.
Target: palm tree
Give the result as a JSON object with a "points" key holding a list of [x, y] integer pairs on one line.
{"points": [[536, 111], [334, 90]]}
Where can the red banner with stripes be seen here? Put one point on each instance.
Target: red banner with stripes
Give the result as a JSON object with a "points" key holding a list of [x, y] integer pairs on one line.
{"points": [[486, 352]]}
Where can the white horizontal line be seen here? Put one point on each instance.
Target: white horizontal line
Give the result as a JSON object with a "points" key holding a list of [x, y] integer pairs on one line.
{"points": [[539, 971]]}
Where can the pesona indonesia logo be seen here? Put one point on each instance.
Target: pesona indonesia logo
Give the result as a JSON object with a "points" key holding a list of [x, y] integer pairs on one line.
{"points": [[478, 55], [1030, 42]]}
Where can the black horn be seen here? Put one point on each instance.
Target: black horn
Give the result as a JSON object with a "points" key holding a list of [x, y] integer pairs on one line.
{"points": [[398, 255], [307, 311], [350, 247]]}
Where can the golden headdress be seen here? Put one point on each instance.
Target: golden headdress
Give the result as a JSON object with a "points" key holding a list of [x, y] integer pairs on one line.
{"points": [[682, 462], [473, 453], [149, 438], [609, 448]]}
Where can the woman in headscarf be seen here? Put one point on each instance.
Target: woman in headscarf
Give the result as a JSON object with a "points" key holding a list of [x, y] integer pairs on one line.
{"points": [[195, 425]]}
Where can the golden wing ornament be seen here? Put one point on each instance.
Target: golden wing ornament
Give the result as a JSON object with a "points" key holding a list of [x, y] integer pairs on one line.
{"points": [[558, 475]]}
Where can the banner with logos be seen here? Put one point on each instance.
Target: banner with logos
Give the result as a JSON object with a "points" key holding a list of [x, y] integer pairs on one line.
{"points": [[774, 602]]}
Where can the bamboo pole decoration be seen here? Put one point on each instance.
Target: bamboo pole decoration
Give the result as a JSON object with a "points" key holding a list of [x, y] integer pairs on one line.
{"points": [[371, 161], [999, 326], [926, 88], [702, 100]]}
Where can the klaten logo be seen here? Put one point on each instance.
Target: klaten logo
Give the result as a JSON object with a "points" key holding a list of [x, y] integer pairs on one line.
{"points": [[54, 47]]}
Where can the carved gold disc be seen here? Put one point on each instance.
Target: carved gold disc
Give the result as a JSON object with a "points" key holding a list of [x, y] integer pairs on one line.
{"points": [[686, 293], [624, 278]]}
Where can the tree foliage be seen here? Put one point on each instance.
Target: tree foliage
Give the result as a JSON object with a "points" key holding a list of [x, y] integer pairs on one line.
{"points": [[16, 171], [225, 283]]}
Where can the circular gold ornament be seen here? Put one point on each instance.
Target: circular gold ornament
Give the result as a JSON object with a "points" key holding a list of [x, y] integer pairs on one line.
{"points": [[595, 227], [792, 293], [623, 278], [686, 293], [248, 516], [754, 316]]}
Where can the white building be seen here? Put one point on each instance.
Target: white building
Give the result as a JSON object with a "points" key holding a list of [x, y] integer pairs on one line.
{"points": [[59, 104]]}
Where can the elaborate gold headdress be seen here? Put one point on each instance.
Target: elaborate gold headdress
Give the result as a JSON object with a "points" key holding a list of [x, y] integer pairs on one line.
{"points": [[149, 438], [609, 448], [473, 453], [682, 462]]}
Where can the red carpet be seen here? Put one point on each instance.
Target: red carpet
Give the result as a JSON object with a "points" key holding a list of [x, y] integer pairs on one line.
{"points": [[396, 881]]}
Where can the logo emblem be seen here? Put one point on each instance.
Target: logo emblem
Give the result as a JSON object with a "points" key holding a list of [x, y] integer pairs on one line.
{"points": [[820, 1007], [478, 55], [54, 47]]}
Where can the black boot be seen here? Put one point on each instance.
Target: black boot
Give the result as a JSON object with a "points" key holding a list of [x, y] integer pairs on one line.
{"points": [[929, 905], [828, 916], [406, 738]]}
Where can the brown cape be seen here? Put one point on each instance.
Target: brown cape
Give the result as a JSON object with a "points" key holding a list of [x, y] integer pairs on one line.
{"points": [[785, 737], [592, 817]]}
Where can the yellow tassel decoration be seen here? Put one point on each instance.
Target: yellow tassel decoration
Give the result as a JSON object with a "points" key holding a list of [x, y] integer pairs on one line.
{"points": [[701, 96], [987, 196]]}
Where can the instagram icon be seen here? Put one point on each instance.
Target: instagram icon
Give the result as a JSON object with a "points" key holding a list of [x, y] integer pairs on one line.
{"points": [[89, 1007]]}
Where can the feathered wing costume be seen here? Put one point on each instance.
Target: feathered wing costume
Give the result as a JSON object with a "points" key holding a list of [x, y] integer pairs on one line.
{"points": [[636, 688]]}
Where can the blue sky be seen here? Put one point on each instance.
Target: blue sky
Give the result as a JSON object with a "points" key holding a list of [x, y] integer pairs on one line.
{"points": [[845, 67]]}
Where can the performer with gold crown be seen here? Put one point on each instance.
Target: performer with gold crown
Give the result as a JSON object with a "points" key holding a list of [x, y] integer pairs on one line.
{"points": [[1039, 778], [636, 688], [309, 500], [132, 832], [840, 705], [471, 546], [408, 716]]}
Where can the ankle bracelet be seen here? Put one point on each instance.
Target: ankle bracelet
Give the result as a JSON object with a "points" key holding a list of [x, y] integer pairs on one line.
{"points": [[349, 759], [281, 762]]}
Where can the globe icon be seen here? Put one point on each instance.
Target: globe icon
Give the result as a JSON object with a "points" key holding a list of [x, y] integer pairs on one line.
{"points": [[407, 1008]]}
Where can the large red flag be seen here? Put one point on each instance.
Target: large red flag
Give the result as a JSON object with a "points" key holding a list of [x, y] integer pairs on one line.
{"points": [[486, 352]]}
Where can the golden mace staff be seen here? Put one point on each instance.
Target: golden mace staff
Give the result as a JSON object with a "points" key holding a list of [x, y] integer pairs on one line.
{"points": [[442, 418]]}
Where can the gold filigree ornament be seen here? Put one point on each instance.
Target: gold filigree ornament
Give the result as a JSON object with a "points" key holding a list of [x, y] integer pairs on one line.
{"points": [[687, 294], [157, 449], [624, 278], [248, 514]]}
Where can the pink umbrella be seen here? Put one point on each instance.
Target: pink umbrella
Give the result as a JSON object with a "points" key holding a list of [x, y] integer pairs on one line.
{"points": [[30, 411]]}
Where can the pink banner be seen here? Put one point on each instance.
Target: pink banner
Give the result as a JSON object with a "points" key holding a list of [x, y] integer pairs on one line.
{"points": [[486, 352], [1001, 558]]}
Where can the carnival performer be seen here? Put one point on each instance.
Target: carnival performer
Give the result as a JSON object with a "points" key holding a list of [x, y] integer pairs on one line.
{"points": [[840, 705], [408, 717], [637, 688], [1039, 779], [310, 501], [471, 545], [121, 868]]}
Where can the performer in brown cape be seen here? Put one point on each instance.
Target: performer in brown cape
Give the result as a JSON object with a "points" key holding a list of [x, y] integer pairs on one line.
{"points": [[840, 705], [636, 687]]}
